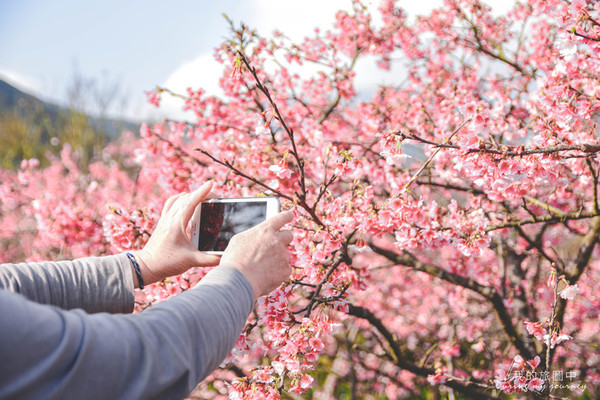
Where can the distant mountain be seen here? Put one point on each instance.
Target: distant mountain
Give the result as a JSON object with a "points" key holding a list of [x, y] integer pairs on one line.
{"points": [[13, 100]]}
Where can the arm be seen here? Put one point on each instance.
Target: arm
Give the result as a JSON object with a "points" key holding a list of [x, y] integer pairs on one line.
{"points": [[106, 283], [161, 353], [94, 284]]}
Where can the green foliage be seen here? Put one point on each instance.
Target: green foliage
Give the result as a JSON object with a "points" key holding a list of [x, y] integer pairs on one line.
{"points": [[18, 140], [32, 128], [32, 133]]}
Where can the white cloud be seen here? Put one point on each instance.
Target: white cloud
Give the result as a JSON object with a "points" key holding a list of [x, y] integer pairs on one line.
{"points": [[414, 8], [369, 76], [22, 82], [296, 19], [202, 72]]}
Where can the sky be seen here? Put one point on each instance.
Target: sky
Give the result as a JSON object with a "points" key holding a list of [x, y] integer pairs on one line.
{"points": [[135, 45]]}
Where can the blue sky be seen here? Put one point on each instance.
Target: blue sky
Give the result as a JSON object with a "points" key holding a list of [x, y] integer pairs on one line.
{"points": [[139, 44], [136, 43]]}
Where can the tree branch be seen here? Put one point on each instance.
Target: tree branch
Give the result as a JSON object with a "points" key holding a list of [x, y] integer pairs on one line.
{"points": [[302, 196], [584, 255], [244, 175], [289, 131], [480, 46], [335, 103], [402, 362], [447, 140], [594, 174], [546, 218], [341, 256], [584, 36], [487, 292], [506, 150]]}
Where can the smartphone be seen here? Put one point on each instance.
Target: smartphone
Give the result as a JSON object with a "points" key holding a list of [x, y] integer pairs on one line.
{"points": [[216, 221]]}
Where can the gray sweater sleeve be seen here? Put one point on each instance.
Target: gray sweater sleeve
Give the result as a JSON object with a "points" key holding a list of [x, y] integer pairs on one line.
{"points": [[160, 353], [94, 284]]}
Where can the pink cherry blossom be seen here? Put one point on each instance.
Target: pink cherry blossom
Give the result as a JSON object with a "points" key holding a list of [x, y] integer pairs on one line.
{"points": [[569, 292], [437, 378], [536, 385], [535, 362], [153, 98], [438, 216], [535, 328]]}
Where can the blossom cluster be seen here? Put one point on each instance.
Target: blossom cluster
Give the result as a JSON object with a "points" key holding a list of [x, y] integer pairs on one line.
{"points": [[427, 211]]}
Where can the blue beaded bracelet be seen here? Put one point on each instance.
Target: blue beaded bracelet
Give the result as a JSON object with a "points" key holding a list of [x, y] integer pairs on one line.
{"points": [[136, 266]]}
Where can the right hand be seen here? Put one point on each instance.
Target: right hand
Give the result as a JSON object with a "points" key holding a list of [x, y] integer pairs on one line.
{"points": [[169, 250], [261, 253]]}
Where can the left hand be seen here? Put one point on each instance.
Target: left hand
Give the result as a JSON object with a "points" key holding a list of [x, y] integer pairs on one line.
{"points": [[169, 250]]}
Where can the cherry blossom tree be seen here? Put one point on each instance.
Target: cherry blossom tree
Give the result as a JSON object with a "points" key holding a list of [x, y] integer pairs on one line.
{"points": [[446, 226]]}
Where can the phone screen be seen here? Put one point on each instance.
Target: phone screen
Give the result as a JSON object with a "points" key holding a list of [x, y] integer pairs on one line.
{"points": [[220, 221]]}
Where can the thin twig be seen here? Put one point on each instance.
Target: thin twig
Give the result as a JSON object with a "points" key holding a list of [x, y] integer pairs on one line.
{"points": [[289, 131], [547, 218], [509, 150], [584, 36], [244, 175], [415, 176]]}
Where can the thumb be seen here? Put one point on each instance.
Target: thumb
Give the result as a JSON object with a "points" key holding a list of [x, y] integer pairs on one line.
{"points": [[196, 197], [206, 260], [201, 259]]}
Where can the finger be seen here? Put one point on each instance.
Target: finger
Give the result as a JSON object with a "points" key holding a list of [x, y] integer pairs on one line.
{"points": [[288, 267], [169, 203], [196, 197], [278, 221], [285, 236], [207, 260]]}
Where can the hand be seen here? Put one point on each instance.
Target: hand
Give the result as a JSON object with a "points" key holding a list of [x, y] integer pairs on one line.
{"points": [[169, 250], [261, 254]]}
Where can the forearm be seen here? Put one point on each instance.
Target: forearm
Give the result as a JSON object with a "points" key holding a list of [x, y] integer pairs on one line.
{"points": [[94, 284], [162, 352]]}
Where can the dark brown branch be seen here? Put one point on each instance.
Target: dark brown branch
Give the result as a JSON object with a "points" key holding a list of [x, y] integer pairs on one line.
{"points": [[500, 57], [402, 362], [480, 46], [409, 260], [330, 110], [487, 292], [451, 186], [236, 370], [242, 174], [584, 36], [584, 255], [262, 112], [323, 190], [546, 218], [589, 18], [340, 257], [447, 140], [535, 243], [508, 150], [594, 174], [289, 131]]}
